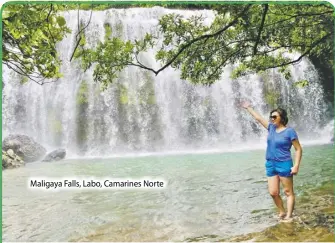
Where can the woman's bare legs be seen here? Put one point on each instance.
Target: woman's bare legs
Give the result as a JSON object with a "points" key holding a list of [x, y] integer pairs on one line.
{"points": [[273, 185], [287, 183]]}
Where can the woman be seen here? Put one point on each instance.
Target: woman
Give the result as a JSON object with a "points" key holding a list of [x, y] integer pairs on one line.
{"points": [[279, 164]]}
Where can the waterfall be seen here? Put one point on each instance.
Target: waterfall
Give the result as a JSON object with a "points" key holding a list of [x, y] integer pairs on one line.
{"points": [[141, 112]]}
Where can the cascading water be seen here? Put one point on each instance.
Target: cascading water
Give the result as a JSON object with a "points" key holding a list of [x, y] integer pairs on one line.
{"points": [[140, 112]]}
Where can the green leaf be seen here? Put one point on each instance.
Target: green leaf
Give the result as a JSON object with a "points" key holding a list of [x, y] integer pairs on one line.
{"points": [[301, 83], [5, 14], [61, 21], [24, 80], [287, 75]]}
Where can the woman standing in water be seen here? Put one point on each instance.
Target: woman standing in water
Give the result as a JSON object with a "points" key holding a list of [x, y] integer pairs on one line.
{"points": [[279, 164]]}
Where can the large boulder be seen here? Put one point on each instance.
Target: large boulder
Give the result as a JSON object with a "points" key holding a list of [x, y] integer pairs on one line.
{"points": [[24, 146], [11, 160], [55, 155]]}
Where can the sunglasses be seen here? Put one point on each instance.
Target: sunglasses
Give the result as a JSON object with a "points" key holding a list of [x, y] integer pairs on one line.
{"points": [[273, 117]]}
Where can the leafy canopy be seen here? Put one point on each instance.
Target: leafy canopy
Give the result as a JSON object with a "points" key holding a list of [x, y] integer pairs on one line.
{"points": [[30, 33], [254, 37]]}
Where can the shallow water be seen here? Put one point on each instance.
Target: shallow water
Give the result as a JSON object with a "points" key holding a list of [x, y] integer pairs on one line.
{"points": [[206, 194]]}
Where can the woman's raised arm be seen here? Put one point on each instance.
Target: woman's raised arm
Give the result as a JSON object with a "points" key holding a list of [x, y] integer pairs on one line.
{"points": [[246, 105]]}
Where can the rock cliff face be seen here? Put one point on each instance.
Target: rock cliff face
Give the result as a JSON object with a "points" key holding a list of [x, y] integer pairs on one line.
{"points": [[326, 74], [25, 147]]}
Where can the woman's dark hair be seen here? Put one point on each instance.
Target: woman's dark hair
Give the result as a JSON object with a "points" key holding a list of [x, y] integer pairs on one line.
{"points": [[283, 115]]}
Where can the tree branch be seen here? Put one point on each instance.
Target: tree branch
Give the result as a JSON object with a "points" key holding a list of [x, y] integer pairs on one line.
{"points": [[139, 61], [266, 7], [78, 19], [89, 21], [141, 66], [294, 16], [302, 55], [49, 13], [20, 66], [224, 62], [304, 15], [52, 37], [23, 74], [196, 50], [202, 37], [77, 44]]}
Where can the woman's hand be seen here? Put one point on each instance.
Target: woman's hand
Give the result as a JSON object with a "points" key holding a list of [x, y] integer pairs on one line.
{"points": [[298, 155], [245, 104], [258, 117], [294, 170]]}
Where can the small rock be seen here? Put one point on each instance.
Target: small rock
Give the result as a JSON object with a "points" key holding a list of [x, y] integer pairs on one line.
{"points": [[11, 153], [55, 155], [11, 160]]}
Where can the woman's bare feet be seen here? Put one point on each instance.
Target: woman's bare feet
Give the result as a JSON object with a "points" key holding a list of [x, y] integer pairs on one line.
{"points": [[286, 220], [281, 215]]}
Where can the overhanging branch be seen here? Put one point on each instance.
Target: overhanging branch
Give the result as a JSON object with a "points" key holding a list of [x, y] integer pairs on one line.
{"points": [[79, 32], [185, 46], [224, 62], [24, 73], [203, 37], [302, 55], [52, 37], [266, 7]]}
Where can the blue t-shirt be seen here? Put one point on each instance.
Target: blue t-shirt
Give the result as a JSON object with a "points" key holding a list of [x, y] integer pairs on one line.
{"points": [[280, 143]]}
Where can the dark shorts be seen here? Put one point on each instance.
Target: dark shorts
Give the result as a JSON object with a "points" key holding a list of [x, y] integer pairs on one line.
{"points": [[281, 168]]}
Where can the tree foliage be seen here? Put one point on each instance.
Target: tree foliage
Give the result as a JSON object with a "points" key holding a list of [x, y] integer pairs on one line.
{"points": [[255, 37], [30, 33]]}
